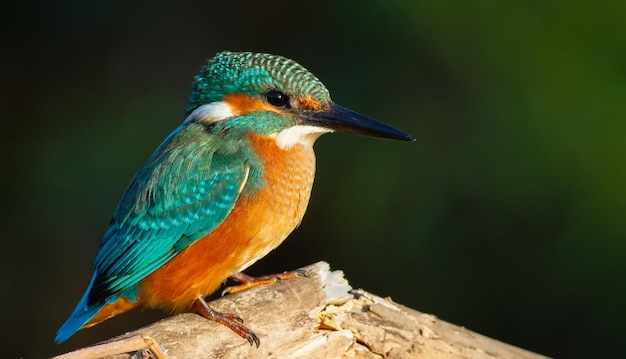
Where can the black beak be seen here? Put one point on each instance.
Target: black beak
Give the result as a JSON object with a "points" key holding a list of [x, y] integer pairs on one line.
{"points": [[342, 119]]}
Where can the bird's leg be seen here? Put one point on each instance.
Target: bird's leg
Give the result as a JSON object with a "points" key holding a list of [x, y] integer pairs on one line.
{"points": [[232, 321], [248, 282]]}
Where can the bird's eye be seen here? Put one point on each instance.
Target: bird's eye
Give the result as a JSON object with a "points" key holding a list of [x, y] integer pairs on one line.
{"points": [[277, 98]]}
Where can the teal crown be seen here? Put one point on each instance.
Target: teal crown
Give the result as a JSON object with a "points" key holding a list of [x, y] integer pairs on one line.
{"points": [[253, 74]]}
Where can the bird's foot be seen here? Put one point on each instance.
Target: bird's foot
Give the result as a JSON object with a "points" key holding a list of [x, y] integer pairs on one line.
{"points": [[248, 282], [231, 321]]}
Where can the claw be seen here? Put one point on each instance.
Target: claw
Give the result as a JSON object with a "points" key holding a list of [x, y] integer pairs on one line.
{"points": [[232, 321]]}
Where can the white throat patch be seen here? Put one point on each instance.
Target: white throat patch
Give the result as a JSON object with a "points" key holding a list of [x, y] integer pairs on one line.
{"points": [[301, 134], [212, 112]]}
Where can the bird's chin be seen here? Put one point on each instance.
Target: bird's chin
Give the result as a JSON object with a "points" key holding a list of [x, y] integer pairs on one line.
{"points": [[299, 135]]}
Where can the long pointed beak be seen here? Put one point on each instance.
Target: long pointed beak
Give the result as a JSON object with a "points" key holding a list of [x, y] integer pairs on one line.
{"points": [[342, 119]]}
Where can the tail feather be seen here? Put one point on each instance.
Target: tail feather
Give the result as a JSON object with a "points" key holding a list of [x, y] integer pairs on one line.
{"points": [[81, 316]]}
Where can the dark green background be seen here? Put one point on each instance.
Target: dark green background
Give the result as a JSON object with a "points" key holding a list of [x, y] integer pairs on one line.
{"points": [[505, 216]]}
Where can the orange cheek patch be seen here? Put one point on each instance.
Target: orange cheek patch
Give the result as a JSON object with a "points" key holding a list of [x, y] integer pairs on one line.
{"points": [[242, 104], [307, 102]]}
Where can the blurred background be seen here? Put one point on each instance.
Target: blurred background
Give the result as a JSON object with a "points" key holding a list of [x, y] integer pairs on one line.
{"points": [[506, 216]]}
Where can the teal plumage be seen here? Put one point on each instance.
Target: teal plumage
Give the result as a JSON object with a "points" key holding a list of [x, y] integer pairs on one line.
{"points": [[252, 73], [183, 192]]}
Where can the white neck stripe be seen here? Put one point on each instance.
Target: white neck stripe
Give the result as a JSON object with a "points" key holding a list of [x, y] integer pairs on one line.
{"points": [[213, 112]]}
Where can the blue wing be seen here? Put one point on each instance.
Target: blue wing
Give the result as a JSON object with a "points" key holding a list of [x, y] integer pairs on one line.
{"points": [[182, 193]]}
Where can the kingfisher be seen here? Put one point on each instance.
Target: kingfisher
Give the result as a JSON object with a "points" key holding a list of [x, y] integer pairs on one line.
{"points": [[225, 188]]}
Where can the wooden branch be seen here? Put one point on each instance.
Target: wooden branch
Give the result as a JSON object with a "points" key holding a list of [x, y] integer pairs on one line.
{"points": [[316, 317]]}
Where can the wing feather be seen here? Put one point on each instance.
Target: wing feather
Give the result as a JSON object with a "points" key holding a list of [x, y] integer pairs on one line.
{"points": [[182, 193]]}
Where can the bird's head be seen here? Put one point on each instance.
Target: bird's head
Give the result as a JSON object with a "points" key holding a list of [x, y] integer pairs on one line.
{"points": [[285, 99]]}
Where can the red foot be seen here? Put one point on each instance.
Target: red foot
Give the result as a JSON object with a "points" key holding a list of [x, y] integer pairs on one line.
{"points": [[248, 282], [232, 321]]}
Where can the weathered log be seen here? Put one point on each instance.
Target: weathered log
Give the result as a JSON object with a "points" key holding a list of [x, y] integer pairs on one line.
{"points": [[319, 316]]}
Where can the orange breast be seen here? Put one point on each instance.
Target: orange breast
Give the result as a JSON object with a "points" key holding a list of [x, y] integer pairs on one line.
{"points": [[256, 225]]}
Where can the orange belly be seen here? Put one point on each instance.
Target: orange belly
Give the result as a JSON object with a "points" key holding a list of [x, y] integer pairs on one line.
{"points": [[257, 224]]}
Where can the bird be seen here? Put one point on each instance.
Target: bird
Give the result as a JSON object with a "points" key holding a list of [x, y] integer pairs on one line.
{"points": [[225, 188]]}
